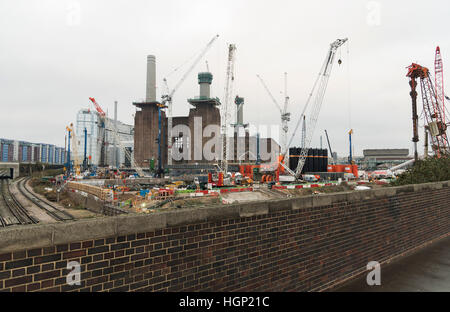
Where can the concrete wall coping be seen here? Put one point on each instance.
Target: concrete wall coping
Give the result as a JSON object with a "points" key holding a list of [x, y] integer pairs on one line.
{"points": [[50, 234]]}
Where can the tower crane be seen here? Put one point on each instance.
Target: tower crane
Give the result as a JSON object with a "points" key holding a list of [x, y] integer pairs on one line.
{"points": [[285, 116], [317, 94], [167, 98], [101, 139], [432, 108], [224, 107]]}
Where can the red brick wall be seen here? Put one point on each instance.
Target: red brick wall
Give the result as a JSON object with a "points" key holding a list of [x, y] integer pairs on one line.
{"points": [[295, 246]]}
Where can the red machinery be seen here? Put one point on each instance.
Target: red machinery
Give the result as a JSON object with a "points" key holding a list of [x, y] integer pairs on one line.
{"points": [[219, 182], [432, 109], [97, 107]]}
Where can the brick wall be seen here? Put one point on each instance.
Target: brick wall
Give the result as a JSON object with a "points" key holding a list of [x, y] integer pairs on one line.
{"points": [[308, 243]]}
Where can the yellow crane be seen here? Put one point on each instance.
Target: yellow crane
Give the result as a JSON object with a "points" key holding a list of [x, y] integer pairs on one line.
{"points": [[75, 143]]}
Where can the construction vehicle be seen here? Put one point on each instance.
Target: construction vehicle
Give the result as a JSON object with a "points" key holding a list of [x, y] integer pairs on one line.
{"points": [[246, 181], [317, 94], [167, 98], [432, 109], [285, 115]]}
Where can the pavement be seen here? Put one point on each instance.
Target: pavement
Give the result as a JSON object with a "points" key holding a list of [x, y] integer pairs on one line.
{"points": [[427, 270]]}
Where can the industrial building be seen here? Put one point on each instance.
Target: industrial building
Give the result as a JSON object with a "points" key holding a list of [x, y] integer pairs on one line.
{"points": [[384, 158], [89, 121], [150, 117], [26, 152]]}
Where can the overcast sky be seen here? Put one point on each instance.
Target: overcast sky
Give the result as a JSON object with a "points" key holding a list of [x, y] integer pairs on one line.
{"points": [[56, 54]]}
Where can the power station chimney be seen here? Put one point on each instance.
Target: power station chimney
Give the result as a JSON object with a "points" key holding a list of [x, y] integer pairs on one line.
{"points": [[151, 79], [239, 101], [204, 80]]}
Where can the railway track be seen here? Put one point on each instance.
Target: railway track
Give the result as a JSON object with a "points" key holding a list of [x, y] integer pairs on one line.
{"points": [[13, 212], [50, 209]]}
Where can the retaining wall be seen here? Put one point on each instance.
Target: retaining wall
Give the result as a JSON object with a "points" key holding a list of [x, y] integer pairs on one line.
{"points": [[298, 244]]}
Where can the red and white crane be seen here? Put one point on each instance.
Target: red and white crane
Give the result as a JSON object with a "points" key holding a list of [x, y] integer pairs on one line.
{"points": [[102, 114], [432, 108], [101, 138], [97, 107]]}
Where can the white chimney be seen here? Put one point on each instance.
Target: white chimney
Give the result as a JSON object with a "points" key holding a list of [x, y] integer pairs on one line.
{"points": [[151, 79]]}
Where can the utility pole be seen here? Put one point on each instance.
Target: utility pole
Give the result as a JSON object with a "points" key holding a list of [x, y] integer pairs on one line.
{"points": [[350, 157], [65, 151], [68, 151], [116, 151], [85, 162], [425, 151]]}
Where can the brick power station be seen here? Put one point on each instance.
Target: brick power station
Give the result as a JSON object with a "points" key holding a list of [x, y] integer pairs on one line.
{"points": [[203, 107]]}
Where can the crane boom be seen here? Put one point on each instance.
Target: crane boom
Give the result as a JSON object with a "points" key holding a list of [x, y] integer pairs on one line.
{"points": [[97, 107], [329, 145], [168, 98], [225, 105], [286, 97], [439, 81], [101, 138], [317, 95], [270, 94], [285, 116]]}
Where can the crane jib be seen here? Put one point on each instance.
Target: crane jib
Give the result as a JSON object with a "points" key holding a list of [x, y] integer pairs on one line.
{"points": [[318, 95]]}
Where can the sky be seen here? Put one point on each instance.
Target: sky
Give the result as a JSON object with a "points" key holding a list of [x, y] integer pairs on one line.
{"points": [[55, 54]]}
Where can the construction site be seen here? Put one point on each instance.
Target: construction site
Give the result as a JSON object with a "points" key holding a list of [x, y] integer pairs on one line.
{"points": [[189, 169], [163, 161], [210, 157]]}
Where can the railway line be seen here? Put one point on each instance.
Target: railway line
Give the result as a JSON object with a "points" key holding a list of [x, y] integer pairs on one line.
{"points": [[11, 211], [50, 209]]}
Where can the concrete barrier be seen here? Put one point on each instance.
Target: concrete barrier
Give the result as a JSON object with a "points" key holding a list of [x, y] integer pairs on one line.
{"points": [[304, 243]]}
